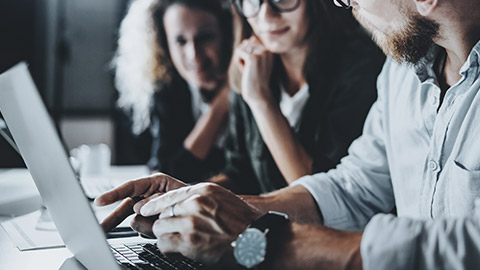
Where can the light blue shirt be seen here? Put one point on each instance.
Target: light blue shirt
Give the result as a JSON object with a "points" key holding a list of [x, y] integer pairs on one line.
{"points": [[420, 156]]}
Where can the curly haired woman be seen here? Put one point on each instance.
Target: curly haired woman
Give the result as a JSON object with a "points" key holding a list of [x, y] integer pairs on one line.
{"points": [[171, 74]]}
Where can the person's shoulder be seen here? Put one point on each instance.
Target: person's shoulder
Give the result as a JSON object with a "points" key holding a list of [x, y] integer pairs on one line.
{"points": [[395, 72], [396, 78]]}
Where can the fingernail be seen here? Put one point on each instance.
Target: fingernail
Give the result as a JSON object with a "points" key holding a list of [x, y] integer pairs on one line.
{"points": [[96, 201]]}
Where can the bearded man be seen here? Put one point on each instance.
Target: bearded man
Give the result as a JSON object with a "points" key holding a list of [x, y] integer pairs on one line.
{"points": [[419, 152]]}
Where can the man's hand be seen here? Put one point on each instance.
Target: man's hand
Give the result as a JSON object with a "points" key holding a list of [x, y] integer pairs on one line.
{"points": [[144, 188], [198, 221]]}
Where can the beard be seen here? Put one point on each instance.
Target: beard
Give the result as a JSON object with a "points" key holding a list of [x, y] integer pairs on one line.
{"points": [[408, 43]]}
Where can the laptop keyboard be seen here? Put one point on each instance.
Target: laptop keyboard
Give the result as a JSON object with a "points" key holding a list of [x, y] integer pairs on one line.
{"points": [[95, 186], [147, 256]]}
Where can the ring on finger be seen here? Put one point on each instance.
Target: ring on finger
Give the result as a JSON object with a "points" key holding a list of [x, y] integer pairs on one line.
{"points": [[172, 210]]}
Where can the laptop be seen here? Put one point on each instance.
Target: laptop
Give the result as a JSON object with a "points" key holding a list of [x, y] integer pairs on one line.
{"points": [[41, 148]]}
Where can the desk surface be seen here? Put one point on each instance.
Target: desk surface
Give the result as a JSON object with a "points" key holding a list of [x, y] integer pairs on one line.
{"points": [[12, 258], [57, 258]]}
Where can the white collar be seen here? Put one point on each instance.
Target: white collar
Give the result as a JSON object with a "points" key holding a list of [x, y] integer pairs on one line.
{"points": [[292, 106]]}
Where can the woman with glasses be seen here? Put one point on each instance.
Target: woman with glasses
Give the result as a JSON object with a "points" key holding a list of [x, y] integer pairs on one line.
{"points": [[304, 75], [171, 74]]}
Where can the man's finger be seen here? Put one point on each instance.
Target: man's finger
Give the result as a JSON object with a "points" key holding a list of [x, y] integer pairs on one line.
{"points": [[143, 225], [168, 226], [160, 204], [170, 243], [141, 203], [122, 211], [181, 208], [130, 189]]}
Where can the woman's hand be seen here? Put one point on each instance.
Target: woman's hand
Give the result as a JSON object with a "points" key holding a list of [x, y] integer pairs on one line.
{"points": [[255, 63], [199, 221]]}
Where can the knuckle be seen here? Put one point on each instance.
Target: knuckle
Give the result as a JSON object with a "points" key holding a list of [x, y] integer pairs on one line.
{"points": [[162, 245], [198, 200], [156, 224], [204, 203], [209, 188], [193, 223], [158, 174], [134, 225], [195, 238]]}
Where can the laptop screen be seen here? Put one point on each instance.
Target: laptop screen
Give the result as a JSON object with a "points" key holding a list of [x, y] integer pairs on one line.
{"points": [[5, 133]]}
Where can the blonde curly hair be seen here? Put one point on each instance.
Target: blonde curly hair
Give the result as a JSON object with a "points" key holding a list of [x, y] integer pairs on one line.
{"points": [[139, 63], [142, 59]]}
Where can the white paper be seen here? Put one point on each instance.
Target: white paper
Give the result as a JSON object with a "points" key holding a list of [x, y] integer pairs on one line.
{"points": [[32, 231]]}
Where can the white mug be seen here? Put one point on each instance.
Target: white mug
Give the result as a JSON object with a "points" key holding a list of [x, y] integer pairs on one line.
{"points": [[92, 160]]}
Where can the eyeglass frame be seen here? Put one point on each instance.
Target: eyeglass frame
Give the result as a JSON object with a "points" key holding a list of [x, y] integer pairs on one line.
{"points": [[347, 5], [270, 3]]}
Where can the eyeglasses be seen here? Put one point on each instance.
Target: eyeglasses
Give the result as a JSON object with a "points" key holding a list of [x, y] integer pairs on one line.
{"points": [[343, 3], [250, 8]]}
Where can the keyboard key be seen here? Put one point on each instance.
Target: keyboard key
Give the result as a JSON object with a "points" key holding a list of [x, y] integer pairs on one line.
{"points": [[147, 256]]}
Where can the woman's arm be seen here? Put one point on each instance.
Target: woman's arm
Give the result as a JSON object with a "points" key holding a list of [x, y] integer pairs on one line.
{"points": [[256, 62], [205, 131], [289, 155]]}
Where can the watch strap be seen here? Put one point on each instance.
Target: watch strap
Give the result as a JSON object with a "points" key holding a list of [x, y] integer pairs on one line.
{"points": [[276, 223], [270, 220]]}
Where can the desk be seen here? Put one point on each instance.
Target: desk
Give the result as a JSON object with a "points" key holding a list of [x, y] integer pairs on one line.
{"points": [[12, 258], [59, 258]]}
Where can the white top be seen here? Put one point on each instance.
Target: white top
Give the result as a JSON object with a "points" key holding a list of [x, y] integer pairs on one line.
{"points": [[292, 106], [199, 106], [420, 156]]}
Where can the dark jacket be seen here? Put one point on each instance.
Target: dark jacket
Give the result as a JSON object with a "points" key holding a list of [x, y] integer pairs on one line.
{"points": [[171, 122], [332, 118]]}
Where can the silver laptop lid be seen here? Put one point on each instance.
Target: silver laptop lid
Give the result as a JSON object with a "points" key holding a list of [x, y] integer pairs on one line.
{"points": [[40, 146]]}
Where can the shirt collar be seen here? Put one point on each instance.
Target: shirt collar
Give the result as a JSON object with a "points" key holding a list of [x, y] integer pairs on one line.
{"points": [[473, 59], [424, 67]]}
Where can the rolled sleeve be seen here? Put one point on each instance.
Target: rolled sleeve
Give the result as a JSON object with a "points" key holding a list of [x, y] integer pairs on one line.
{"points": [[321, 188], [360, 187]]}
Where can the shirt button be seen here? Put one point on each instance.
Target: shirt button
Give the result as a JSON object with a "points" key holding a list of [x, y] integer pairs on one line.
{"points": [[432, 165], [433, 100]]}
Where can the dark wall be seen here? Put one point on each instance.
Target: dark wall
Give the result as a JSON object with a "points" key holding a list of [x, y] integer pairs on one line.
{"points": [[16, 44], [16, 32]]}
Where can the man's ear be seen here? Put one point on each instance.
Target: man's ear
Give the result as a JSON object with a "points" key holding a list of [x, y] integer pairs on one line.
{"points": [[425, 7]]}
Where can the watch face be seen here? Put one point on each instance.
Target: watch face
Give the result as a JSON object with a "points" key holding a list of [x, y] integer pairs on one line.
{"points": [[250, 248]]}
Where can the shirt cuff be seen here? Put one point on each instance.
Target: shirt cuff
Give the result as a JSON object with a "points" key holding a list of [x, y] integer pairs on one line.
{"points": [[324, 191]]}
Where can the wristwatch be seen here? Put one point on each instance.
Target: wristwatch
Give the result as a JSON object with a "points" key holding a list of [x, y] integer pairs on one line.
{"points": [[250, 248]]}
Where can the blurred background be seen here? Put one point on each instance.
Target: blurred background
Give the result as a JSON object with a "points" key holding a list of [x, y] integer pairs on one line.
{"points": [[69, 45]]}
